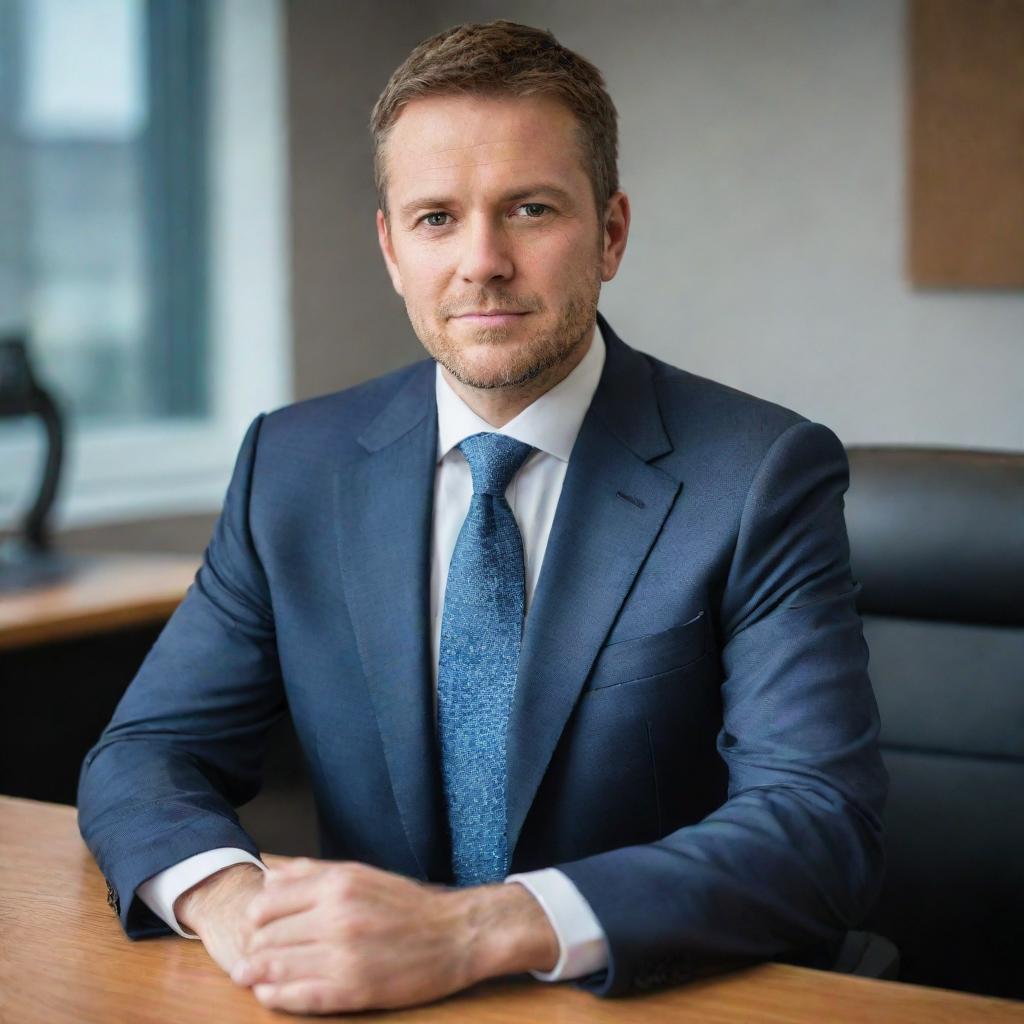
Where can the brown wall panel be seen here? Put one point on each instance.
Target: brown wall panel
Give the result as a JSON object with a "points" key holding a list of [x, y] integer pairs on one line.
{"points": [[966, 146]]}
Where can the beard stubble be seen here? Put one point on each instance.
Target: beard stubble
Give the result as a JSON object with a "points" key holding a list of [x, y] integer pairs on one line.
{"points": [[542, 351]]}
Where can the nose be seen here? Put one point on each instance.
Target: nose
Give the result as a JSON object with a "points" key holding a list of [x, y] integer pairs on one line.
{"points": [[486, 254]]}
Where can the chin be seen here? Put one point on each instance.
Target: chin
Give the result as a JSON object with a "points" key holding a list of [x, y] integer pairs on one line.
{"points": [[494, 359], [493, 373]]}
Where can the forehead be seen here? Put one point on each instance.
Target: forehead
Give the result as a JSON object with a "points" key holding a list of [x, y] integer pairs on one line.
{"points": [[463, 141]]}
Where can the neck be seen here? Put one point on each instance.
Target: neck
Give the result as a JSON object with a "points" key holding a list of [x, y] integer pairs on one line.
{"points": [[498, 406]]}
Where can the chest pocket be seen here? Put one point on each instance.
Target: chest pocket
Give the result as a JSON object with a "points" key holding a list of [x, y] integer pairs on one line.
{"points": [[650, 655]]}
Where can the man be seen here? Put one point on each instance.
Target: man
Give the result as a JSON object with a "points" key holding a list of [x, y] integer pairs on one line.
{"points": [[540, 605]]}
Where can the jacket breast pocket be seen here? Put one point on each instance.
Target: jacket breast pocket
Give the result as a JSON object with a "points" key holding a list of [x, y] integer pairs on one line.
{"points": [[650, 655]]}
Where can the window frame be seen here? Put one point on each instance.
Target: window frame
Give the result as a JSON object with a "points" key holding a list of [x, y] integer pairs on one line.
{"points": [[175, 466]]}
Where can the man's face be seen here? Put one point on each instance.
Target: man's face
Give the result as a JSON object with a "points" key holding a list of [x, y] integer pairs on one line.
{"points": [[493, 239]]}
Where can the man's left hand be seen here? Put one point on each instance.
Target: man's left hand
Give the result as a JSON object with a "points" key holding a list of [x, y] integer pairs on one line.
{"points": [[343, 936]]}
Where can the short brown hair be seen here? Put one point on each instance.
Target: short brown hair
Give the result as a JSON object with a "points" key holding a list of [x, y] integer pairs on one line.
{"points": [[503, 58]]}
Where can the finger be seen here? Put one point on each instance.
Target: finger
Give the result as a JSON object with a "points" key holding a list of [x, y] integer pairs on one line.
{"points": [[291, 930], [286, 896], [289, 963], [294, 867], [307, 996]]}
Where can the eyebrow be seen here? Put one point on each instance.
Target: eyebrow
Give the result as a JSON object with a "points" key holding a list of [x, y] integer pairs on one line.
{"points": [[433, 202]]}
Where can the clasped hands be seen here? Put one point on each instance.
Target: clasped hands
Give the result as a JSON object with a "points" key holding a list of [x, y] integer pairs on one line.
{"points": [[322, 936]]}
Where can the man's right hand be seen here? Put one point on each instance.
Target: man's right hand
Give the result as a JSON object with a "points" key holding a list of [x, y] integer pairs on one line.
{"points": [[215, 910]]}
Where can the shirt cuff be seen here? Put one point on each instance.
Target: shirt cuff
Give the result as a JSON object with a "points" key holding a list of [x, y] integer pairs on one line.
{"points": [[160, 892], [582, 945]]}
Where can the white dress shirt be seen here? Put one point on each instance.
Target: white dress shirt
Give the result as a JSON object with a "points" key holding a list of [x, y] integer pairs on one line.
{"points": [[550, 425]]}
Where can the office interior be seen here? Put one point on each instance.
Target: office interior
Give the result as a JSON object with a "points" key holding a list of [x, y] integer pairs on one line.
{"points": [[188, 240]]}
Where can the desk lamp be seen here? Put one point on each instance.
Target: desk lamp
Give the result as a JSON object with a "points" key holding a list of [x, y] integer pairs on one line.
{"points": [[28, 559]]}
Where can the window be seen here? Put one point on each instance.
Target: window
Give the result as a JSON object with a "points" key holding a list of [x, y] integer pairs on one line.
{"points": [[142, 238]]}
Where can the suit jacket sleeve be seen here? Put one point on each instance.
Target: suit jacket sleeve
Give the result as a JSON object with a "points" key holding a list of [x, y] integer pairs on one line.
{"points": [[794, 855], [186, 742]]}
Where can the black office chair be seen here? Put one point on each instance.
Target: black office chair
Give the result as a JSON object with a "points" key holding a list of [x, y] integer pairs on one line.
{"points": [[937, 541]]}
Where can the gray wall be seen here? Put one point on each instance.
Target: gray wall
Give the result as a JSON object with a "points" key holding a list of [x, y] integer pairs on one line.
{"points": [[347, 321], [762, 146]]}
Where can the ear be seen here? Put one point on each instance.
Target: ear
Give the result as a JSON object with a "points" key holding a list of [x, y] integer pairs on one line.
{"points": [[616, 233], [388, 252]]}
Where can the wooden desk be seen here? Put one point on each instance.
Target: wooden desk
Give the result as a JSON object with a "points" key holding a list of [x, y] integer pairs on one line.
{"points": [[106, 593], [63, 957]]}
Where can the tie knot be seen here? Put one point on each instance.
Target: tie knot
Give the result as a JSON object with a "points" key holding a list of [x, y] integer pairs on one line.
{"points": [[493, 460]]}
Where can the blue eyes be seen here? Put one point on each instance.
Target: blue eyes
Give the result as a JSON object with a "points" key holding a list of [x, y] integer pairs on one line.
{"points": [[530, 211]]}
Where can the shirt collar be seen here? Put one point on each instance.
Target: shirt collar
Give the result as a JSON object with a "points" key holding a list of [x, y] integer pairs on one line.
{"points": [[550, 423]]}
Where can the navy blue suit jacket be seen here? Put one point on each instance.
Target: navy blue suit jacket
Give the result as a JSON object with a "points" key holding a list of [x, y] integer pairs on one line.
{"points": [[693, 736]]}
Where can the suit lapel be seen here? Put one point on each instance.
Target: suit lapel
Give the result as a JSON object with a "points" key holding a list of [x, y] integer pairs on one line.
{"points": [[611, 509], [384, 508]]}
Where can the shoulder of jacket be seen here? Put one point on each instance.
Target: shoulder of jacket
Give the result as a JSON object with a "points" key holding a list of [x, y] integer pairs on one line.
{"points": [[692, 405], [339, 414]]}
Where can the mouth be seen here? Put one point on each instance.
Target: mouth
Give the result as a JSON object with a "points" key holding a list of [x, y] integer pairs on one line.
{"points": [[499, 318]]}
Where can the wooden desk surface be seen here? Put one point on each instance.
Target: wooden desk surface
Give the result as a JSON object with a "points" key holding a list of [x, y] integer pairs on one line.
{"points": [[106, 592], [63, 958]]}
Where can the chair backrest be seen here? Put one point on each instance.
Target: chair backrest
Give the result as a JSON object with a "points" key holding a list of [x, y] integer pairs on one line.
{"points": [[937, 542]]}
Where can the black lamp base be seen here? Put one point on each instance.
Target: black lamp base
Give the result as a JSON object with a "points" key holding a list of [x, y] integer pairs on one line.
{"points": [[25, 568]]}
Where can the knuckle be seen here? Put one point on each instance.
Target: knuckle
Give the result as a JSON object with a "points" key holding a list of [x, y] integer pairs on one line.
{"points": [[334, 919], [347, 927], [343, 883], [336, 926]]}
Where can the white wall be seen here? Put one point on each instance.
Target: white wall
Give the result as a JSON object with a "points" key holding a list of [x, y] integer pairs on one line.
{"points": [[762, 146]]}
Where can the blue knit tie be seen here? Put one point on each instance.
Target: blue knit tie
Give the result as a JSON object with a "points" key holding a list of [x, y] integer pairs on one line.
{"points": [[481, 631]]}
